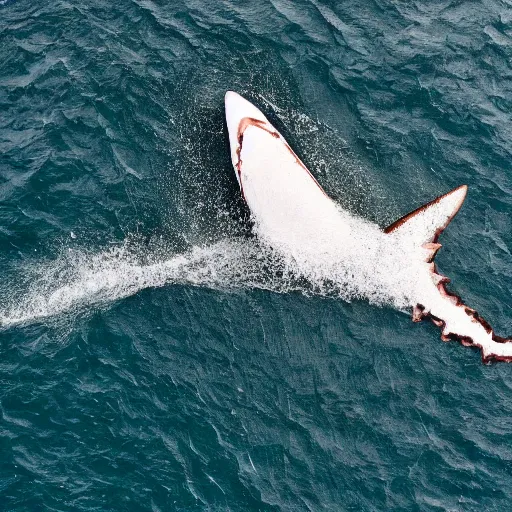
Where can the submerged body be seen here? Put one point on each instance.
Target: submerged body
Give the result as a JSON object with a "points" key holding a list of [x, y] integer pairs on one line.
{"points": [[294, 216]]}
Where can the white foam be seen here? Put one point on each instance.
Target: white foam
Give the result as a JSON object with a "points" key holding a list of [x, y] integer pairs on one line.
{"points": [[79, 280]]}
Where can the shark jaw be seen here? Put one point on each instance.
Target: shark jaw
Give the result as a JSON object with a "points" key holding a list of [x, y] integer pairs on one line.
{"points": [[395, 266]]}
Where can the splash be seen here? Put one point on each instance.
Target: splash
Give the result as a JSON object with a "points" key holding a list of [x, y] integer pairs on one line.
{"points": [[79, 280]]}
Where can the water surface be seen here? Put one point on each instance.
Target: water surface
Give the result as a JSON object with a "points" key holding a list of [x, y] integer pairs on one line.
{"points": [[150, 359]]}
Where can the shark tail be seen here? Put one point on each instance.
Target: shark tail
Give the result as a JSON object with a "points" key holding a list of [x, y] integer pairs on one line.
{"points": [[457, 321]]}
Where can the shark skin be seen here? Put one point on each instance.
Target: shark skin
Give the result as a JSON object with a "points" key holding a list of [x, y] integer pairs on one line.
{"points": [[294, 216]]}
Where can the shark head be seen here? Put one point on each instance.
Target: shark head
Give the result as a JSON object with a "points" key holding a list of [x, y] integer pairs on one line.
{"points": [[239, 114]]}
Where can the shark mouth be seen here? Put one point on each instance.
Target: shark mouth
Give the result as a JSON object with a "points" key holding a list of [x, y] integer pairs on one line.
{"points": [[285, 198], [489, 355], [420, 313]]}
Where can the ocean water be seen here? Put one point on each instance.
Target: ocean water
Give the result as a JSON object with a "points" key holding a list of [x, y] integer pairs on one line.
{"points": [[153, 357]]}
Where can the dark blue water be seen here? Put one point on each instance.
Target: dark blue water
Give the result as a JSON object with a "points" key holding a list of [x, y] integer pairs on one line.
{"points": [[148, 359]]}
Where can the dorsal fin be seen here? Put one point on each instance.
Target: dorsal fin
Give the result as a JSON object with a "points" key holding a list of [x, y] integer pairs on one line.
{"points": [[425, 224]]}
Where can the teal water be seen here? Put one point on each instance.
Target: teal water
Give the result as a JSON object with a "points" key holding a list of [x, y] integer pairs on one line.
{"points": [[150, 359]]}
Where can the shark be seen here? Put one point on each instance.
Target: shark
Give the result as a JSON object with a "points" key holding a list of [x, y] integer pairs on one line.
{"points": [[293, 215]]}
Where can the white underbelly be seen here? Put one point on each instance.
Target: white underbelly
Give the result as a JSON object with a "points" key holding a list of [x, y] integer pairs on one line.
{"points": [[289, 208]]}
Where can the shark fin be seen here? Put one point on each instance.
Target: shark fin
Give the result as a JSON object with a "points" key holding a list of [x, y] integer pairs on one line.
{"points": [[425, 224]]}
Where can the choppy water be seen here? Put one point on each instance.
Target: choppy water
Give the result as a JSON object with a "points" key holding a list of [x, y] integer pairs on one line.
{"points": [[152, 357]]}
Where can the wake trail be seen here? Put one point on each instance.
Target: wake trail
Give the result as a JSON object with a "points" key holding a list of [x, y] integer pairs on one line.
{"points": [[78, 280]]}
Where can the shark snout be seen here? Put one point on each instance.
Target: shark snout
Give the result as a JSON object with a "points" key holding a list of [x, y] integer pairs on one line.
{"points": [[238, 108]]}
